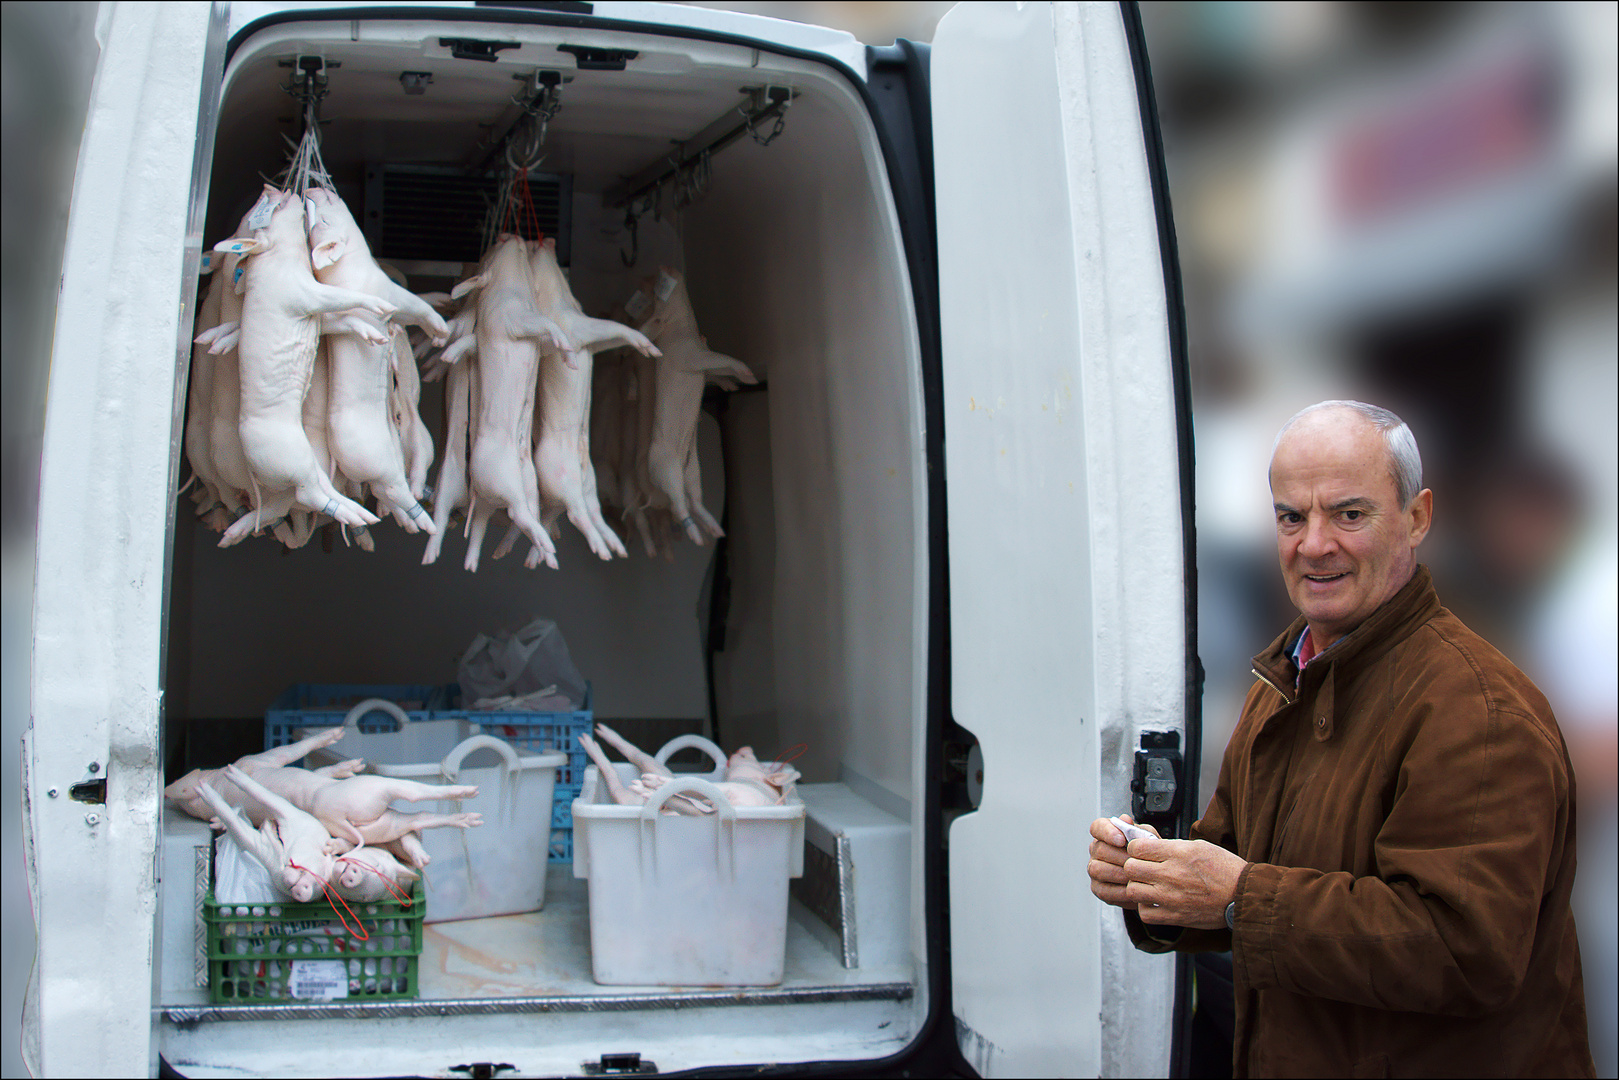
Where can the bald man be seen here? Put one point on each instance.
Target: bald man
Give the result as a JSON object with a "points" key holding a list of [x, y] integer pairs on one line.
{"points": [[1390, 849]]}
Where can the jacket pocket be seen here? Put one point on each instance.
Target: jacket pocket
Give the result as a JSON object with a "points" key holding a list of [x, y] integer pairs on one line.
{"points": [[1375, 1066]]}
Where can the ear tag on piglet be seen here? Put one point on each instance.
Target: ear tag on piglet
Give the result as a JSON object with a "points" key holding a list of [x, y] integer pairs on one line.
{"points": [[666, 285], [209, 263], [638, 306], [263, 210], [240, 269]]}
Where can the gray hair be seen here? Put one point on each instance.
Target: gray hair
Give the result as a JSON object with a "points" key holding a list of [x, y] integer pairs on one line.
{"points": [[1405, 460]]}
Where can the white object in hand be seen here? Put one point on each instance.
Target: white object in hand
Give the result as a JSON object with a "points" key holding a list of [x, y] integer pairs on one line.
{"points": [[1132, 832]]}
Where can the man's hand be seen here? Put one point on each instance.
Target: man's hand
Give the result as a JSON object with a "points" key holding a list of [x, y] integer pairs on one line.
{"points": [[1108, 856], [1179, 882]]}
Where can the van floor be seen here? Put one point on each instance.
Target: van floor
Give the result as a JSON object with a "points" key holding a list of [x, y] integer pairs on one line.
{"points": [[540, 961]]}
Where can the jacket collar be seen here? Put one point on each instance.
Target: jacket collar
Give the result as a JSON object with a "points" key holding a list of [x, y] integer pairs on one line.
{"points": [[1386, 627]]}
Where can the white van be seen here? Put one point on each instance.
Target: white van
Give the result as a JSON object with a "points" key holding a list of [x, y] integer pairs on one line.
{"points": [[959, 513]]}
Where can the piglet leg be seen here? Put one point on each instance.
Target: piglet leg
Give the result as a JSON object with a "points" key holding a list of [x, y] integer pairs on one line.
{"points": [[279, 757], [643, 761], [615, 787]]}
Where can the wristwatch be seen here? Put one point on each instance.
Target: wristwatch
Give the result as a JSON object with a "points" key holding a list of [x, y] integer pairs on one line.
{"points": [[1231, 915]]}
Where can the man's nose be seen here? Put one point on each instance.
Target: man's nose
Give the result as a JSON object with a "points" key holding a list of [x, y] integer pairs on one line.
{"points": [[1319, 538]]}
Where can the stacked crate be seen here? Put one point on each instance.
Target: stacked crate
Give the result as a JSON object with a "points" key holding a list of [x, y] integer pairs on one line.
{"points": [[315, 705]]}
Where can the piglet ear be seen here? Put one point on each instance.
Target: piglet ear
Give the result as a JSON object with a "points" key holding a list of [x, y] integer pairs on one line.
{"points": [[467, 286], [243, 245], [327, 253], [404, 874]]}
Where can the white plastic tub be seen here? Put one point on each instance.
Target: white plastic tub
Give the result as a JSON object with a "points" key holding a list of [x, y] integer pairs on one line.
{"points": [[686, 901], [497, 868], [415, 741]]}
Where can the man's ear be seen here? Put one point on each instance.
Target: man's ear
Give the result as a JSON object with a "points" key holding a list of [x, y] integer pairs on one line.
{"points": [[1421, 512]]}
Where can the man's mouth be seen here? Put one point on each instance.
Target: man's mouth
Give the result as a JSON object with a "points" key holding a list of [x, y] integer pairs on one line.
{"points": [[1325, 578]]}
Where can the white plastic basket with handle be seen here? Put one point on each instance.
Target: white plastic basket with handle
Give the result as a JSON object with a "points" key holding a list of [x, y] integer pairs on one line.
{"points": [[686, 901]]}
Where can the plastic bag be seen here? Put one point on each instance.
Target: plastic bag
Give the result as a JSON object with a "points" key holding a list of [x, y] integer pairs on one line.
{"points": [[531, 666], [239, 878]]}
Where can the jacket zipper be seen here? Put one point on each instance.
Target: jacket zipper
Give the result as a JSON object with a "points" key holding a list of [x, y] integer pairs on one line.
{"points": [[1262, 677], [1281, 832]]}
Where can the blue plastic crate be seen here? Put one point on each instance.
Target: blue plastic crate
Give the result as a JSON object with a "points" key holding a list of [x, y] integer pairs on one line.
{"points": [[533, 730], [562, 805], [317, 705], [562, 845]]}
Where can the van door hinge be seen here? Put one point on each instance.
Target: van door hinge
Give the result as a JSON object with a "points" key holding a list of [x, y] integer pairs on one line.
{"points": [[619, 1065], [483, 1070], [590, 59], [474, 49], [1156, 788]]}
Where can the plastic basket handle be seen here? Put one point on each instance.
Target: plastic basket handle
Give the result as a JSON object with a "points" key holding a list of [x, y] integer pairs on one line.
{"points": [[376, 704], [681, 742], [724, 813], [450, 768]]}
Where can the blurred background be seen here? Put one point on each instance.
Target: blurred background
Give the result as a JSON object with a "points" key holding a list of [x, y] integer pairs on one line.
{"points": [[1412, 204]]}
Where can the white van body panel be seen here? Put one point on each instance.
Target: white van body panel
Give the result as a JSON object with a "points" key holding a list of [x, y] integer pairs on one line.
{"points": [[106, 501], [1066, 579], [1061, 430], [838, 45]]}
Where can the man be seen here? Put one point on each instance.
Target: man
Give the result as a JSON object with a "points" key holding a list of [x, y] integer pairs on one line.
{"points": [[1390, 849]]}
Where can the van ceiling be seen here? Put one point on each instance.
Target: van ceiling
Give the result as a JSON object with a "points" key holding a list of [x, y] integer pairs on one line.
{"points": [[611, 124]]}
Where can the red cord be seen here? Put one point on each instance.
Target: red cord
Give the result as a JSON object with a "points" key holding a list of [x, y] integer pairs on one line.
{"points": [[358, 929], [404, 901], [793, 753]]}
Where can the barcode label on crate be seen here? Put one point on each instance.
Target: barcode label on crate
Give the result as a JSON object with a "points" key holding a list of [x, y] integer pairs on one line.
{"points": [[319, 980]]}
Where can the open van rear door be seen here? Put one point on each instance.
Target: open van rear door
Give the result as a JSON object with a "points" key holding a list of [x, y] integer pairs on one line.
{"points": [[1069, 539], [107, 474]]}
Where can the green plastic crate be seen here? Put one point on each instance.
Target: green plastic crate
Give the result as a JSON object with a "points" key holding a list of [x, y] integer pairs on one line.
{"points": [[253, 950]]}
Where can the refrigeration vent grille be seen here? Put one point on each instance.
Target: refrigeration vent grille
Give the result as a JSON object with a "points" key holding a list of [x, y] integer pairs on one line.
{"points": [[418, 212]]}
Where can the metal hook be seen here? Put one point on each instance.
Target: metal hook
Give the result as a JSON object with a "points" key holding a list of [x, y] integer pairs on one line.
{"points": [[630, 223]]}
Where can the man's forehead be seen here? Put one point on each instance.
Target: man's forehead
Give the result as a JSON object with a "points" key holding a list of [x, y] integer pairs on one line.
{"points": [[1339, 454]]}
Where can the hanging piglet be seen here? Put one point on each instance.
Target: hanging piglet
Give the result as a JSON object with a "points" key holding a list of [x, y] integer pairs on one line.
{"points": [[361, 432], [280, 330], [687, 362]]}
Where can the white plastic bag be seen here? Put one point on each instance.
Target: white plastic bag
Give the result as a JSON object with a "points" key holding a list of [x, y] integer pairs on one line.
{"points": [[239, 878], [531, 665]]}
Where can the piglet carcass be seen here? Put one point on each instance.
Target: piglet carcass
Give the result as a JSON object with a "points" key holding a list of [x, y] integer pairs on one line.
{"points": [[748, 781], [356, 809], [280, 331], [510, 333], [451, 492], [291, 844], [687, 362], [361, 430], [199, 413], [567, 479], [185, 793]]}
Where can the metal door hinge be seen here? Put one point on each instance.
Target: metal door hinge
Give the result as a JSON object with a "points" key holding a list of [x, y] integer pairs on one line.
{"points": [[476, 49], [1155, 789], [483, 1070], [590, 59], [619, 1065]]}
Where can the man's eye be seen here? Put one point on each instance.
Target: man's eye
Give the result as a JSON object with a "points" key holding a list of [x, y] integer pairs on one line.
{"points": [[1353, 515]]}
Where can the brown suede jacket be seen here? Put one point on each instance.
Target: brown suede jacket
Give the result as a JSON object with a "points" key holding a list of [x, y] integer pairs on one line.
{"points": [[1407, 812]]}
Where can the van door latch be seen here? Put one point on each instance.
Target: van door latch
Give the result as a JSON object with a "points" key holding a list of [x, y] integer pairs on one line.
{"points": [[483, 1070], [1155, 789], [619, 1065]]}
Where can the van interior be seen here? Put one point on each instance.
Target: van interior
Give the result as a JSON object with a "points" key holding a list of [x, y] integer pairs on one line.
{"points": [[805, 625]]}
